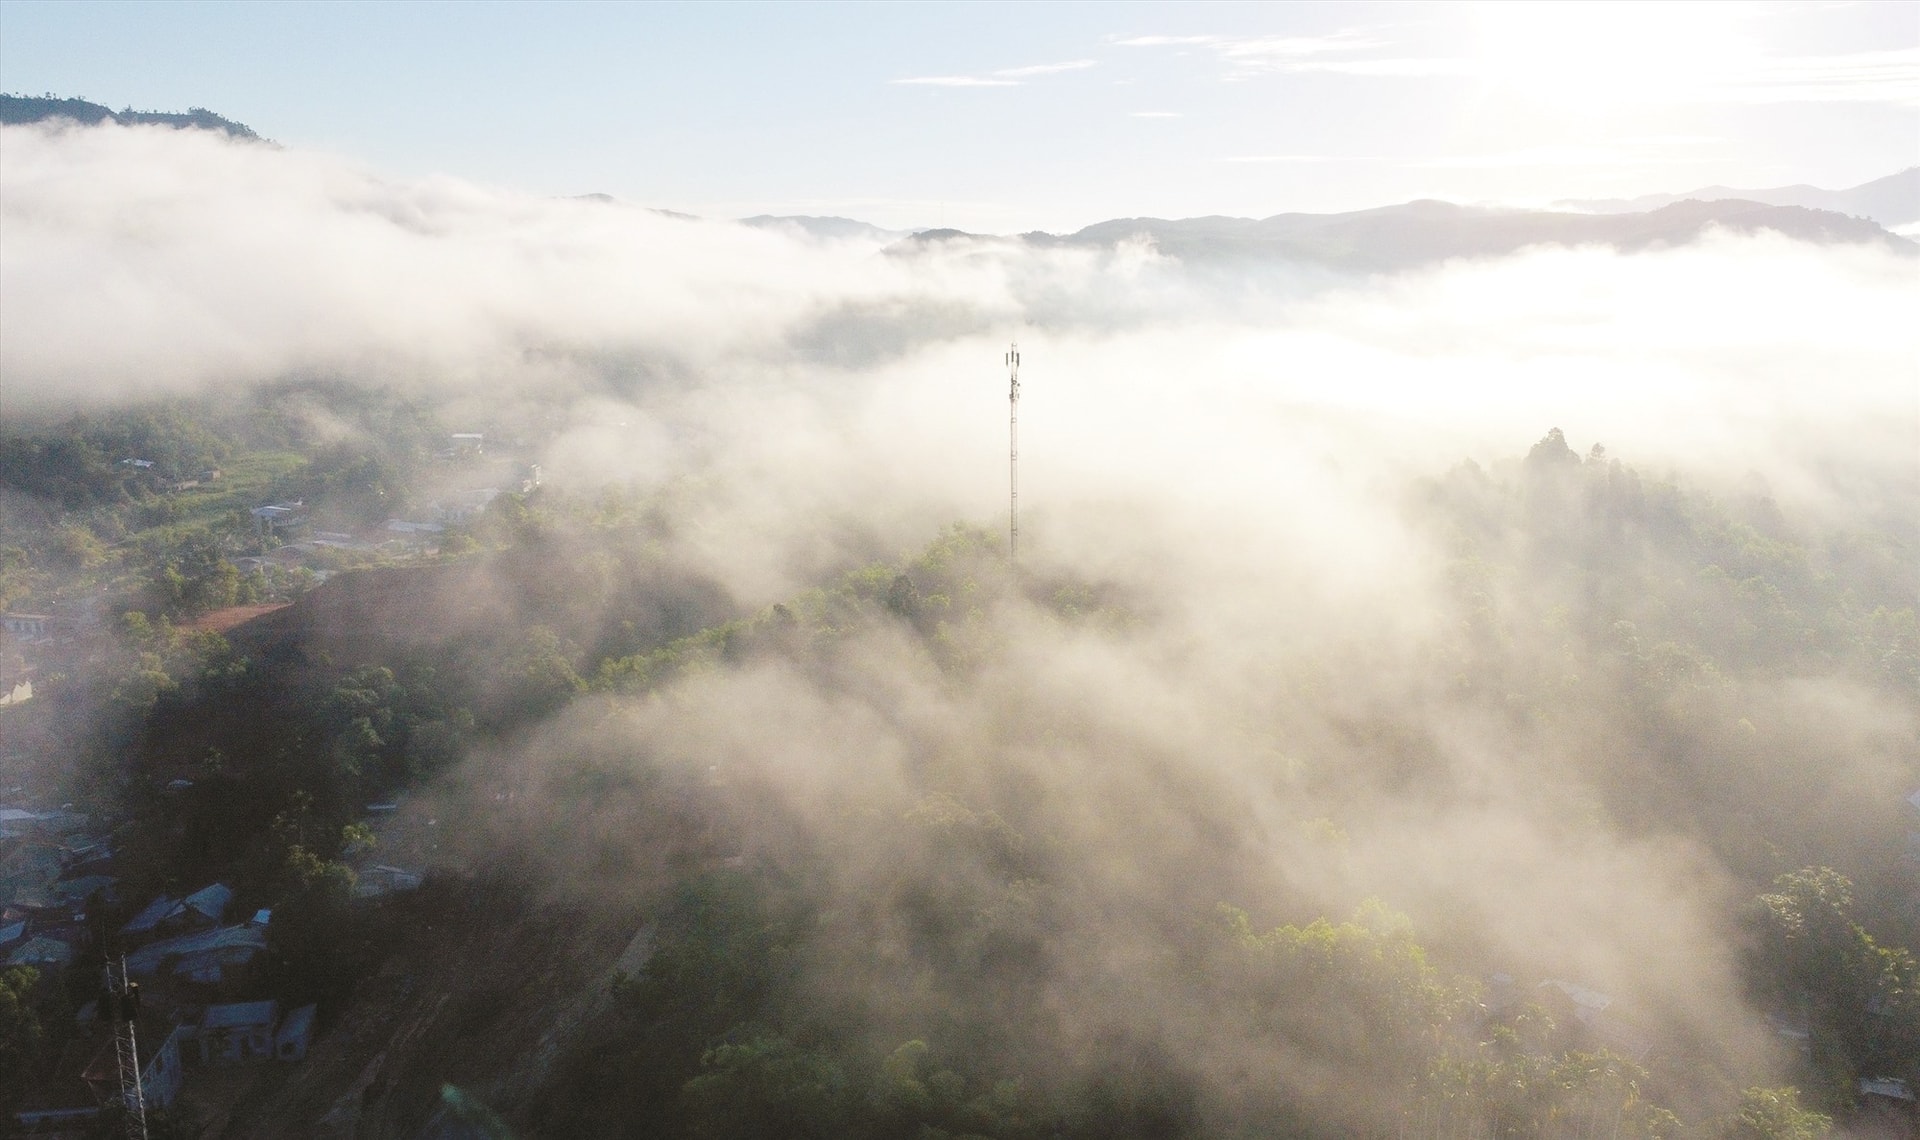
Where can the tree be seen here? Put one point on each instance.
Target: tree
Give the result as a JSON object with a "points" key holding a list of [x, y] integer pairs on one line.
{"points": [[20, 1035], [768, 1087], [317, 944], [1864, 997], [1552, 451], [1776, 1114], [536, 678], [1379, 1008]]}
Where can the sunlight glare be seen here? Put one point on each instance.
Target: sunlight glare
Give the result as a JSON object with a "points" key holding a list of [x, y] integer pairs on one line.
{"points": [[1588, 56]]}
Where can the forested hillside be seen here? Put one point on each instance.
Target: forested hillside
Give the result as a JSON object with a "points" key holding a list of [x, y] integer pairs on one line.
{"points": [[21, 109], [901, 862]]}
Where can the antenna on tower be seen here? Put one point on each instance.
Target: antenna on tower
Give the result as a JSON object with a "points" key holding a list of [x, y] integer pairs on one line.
{"points": [[1013, 455], [122, 1007]]}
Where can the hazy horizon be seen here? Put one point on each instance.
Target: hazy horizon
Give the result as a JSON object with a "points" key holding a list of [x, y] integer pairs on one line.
{"points": [[970, 117]]}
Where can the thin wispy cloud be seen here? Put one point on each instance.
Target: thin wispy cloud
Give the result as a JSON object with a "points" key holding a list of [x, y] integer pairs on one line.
{"points": [[955, 81], [1538, 156], [1630, 151], [1673, 140], [1153, 114], [1004, 77], [1276, 50], [1646, 150], [1302, 158], [1044, 69], [1887, 77], [1860, 77], [1398, 67], [1249, 55], [1166, 41]]}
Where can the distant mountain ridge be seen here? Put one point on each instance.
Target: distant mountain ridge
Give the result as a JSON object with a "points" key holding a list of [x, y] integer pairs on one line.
{"points": [[21, 109], [599, 199], [1378, 240], [1890, 201], [829, 228], [1423, 232]]}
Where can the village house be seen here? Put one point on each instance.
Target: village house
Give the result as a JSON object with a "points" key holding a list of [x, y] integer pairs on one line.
{"points": [[28, 871], [149, 917], [43, 916], [1793, 1030], [62, 622], [16, 823], [295, 1034], [160, 1081], [27, 627], [84, 852], [207, 958], [236, 1033], [1599, 1013], [39, 903], [81, 892], [201, 910], [56, 826], [1888, 1107], [57, 1123], [381, 879], [40, 629], [462, 506], [42, 952], [84, 1080], [1501, 994], [278, 518], [16, 678], [160, 1077]]}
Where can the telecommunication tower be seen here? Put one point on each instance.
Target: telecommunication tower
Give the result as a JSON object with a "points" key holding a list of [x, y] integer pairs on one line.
{"points": [[1013, 454], [121, 1004]]}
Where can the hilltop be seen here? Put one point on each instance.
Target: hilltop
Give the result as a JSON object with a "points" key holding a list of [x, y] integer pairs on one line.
{"points": [[1890, 201], [20, 109]]}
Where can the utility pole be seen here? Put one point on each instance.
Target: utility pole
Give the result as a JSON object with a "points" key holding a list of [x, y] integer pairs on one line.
{"points": [[1013, 455], [121, 1003]]}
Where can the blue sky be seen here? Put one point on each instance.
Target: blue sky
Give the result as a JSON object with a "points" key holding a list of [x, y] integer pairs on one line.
{"points": [[1008, 117]]}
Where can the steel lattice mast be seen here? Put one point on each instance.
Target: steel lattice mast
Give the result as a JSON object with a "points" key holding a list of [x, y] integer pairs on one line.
{"points": [[1013, 454], [122, 1006]]}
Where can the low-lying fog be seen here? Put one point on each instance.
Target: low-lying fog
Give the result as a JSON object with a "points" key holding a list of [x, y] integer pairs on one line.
{"points": [[1233, 458]]}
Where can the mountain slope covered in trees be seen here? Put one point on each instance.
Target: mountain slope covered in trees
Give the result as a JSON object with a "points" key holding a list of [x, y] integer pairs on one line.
{"points": [[22, 109], [864, 871]]}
